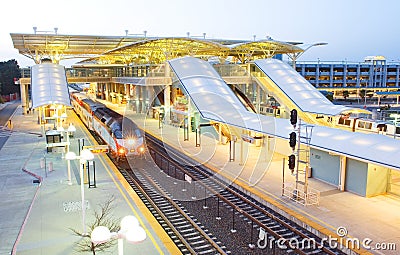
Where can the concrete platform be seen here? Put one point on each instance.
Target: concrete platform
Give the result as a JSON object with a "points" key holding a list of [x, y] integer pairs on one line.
{"points": [[38, 218], [374, 221]]}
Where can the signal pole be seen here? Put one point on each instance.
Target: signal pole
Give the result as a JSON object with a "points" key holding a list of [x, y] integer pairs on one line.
{"points": [[294, 159]]}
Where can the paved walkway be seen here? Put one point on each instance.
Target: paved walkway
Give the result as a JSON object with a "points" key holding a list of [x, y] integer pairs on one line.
{"points": [[37, 219], [376, 218]]}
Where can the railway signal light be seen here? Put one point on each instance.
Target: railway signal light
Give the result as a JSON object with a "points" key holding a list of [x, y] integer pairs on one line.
{"points": [[293, 117], [292, 140], [292, 162]]}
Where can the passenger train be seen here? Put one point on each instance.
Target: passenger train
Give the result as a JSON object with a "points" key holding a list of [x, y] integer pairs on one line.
{"points": [[354, 124], [122, 136], [367, 125]]}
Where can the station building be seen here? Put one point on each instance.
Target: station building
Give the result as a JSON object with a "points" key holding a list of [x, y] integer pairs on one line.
{"points": [[138, 71]]}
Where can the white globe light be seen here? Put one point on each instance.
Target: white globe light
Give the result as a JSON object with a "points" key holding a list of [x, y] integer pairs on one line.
{"points": [[70, 155], [71, 128], [87, 154], [100, 235], [128, 222], [135, 235]]}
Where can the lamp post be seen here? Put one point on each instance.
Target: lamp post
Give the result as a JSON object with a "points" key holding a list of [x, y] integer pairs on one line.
{"points": [[70, 131], [294, 56], [83, 158], [130, 230]]}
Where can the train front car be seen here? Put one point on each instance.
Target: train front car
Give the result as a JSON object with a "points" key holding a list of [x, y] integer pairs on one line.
{"points": [[127, 140], [132, 143]]}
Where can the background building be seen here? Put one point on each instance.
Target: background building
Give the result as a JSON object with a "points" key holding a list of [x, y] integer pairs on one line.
{"points": [[366, 78]]}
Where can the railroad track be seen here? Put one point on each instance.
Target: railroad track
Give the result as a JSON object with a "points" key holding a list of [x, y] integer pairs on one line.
{"points": [[293, 239], [190, 236]]}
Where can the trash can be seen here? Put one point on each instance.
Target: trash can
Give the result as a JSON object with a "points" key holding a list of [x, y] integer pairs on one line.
{"points": [[309, 171]]}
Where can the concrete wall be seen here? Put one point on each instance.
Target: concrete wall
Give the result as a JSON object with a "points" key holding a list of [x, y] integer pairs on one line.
{"points": [[377, 182], [325, 166]]}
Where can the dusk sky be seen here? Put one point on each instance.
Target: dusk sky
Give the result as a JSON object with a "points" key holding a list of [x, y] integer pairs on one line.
{"points": [[353, 29]]}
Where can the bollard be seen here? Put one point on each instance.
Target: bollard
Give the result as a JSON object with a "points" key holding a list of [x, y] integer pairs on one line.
{"points": [[51, 166], [41, 162]]}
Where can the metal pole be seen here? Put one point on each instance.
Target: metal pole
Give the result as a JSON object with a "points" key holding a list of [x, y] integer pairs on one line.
{"points": [[194, 191], [120, 246], [283, 176], [231, 150], [198, 136], [45, 165], [251, 245], [218, 217], [83, 198], [68, 163], [205, 198], [69, 172], [185, 129], [298, 157], [233, 230], [184, 183], [241, 152], [94, 174]]}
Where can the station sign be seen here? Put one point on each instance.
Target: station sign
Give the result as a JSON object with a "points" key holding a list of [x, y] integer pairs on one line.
{"points": [[97, 148]]}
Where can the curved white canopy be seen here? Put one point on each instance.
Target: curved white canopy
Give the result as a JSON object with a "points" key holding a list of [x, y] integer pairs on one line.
{"points": [[49, 85], [304, 95], [216, 101]]}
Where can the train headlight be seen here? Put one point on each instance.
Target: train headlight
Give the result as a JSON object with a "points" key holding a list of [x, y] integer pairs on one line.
{"points": [[121, 151], [141, 149]]}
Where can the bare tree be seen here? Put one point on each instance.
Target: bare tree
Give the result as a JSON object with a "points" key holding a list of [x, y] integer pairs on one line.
{"points": [[102, 217]]}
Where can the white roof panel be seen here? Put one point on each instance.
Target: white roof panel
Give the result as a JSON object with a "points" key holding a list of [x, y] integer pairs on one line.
{"points": [[297, 88], [49, 85], [213, 98]]}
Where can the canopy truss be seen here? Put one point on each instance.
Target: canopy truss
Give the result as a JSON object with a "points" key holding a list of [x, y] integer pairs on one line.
{"points": [[58, 47], [142, 50]]}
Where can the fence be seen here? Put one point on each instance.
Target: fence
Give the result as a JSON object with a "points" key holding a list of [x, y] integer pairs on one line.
{"points": [[301, 194]]}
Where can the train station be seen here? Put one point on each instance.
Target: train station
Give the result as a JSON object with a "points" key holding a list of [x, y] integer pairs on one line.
{"points": [[232, 107]]}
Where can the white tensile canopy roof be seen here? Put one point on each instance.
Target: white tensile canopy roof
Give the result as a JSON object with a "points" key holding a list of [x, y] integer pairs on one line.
{"points": [[215, 101], [49, 85], [300, 91]]}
